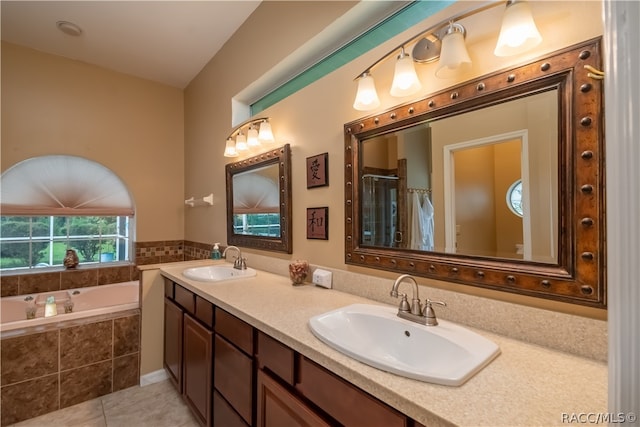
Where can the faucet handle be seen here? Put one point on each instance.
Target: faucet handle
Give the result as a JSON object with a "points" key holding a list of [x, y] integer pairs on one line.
{"points": [[404, 304], [429, 314]]}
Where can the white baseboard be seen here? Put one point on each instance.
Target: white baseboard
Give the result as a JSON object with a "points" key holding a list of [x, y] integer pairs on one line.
{"points": [[153, 377]]}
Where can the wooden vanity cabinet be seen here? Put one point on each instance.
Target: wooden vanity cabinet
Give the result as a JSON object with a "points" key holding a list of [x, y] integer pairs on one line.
{"points": [[293, 390], [232, 375], [188, 348]]}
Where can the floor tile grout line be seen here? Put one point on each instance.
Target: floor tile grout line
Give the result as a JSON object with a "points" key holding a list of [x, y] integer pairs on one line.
{"points": [[104, 412]]}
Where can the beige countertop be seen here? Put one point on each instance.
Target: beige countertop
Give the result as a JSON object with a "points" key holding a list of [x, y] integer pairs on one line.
{"points": [[526, 385]]}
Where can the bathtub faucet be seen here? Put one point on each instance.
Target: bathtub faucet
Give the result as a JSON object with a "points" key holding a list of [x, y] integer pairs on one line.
{"points": [[239, 263]]}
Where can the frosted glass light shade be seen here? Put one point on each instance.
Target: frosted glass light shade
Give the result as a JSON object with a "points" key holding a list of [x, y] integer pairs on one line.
{"points": [[252, 137], [265, 134], [241, 142], [405, 79], [518, 32], [230, 148], [454, 58], [367, 96]]}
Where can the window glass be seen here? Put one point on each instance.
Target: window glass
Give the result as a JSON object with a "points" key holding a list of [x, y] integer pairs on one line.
{"points": [[258, 224], [514, 198], [31, 242]]}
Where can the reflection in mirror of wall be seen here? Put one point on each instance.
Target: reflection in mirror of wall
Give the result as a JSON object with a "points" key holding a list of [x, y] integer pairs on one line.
{"points": [[456, 173], [427, 182], [259, 201], [256, 202]]}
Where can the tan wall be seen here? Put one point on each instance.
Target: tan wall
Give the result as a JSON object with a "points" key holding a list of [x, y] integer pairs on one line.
{"points": [[312, 119], [54, 105]]}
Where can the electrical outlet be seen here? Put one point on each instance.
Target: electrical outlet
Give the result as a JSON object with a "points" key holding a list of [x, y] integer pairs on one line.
{"points": [[322, 278]]}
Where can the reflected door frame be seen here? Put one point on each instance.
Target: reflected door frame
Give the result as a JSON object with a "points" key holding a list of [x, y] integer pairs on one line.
{"points": [[449, 186]]}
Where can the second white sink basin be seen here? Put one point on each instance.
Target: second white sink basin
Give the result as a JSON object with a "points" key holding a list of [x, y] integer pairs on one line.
{"points": [[217, 273], [446, 354]]}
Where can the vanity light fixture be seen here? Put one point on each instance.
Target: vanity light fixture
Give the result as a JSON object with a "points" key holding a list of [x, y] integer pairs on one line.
{"points": [[454, 58], [367, 96], [405, 79], [258, 132], [518, 32], [252, 137], [241, 142], [230, 148], [445, 42]]}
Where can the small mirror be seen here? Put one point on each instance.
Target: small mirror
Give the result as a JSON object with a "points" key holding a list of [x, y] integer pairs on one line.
{"points": [[259, 201]]}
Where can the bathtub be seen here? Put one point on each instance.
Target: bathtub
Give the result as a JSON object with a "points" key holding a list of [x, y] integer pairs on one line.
{"points": [[87, 302]]}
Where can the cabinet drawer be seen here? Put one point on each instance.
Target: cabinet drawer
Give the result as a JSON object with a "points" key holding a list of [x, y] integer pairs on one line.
{"points": [[185, 298], [204, 311], [338, 398], [276, 357], [233, 377], [235, 330]]}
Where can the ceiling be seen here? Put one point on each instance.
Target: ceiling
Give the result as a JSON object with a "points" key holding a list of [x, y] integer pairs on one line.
{"points": [[164, 41]]}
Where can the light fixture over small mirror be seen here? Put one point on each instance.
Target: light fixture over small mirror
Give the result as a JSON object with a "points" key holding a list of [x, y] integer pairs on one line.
{"points": [[258, 132]]}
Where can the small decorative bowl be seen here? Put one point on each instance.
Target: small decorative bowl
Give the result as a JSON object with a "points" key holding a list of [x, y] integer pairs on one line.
{"points": [[298, 271]]}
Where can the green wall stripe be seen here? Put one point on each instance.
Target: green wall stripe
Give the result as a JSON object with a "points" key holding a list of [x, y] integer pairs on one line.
{"points": [[392, 26]]}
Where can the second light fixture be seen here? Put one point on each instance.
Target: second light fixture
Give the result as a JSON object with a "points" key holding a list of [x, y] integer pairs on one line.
{"points": [[446, 43]]}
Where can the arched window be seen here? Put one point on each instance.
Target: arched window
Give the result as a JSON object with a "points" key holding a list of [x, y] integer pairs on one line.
{"points": [[514, 198], [53, 203]]}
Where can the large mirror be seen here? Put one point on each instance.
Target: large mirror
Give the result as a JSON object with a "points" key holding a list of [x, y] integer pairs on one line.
{"points": [[259, 201], [497, 182]]}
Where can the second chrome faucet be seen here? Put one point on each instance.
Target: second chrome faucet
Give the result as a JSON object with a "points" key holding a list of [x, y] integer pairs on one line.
{"points": [[414, 311], [239, 263]]}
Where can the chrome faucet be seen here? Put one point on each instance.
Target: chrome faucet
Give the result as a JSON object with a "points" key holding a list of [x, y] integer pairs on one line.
{"points": [[239, 263], [415, 300], [414, 312]]}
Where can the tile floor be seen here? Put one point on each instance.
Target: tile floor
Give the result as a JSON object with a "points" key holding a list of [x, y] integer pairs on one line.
{"points": [[154, 405]]}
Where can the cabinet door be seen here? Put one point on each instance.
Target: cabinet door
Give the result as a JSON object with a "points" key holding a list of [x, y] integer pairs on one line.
{"points": [[198, 347], [173, 342], [277, 407]]}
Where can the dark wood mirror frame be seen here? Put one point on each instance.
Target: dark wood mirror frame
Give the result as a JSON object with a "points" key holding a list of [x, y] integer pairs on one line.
{"points": [[579, 276], [281, 157]]}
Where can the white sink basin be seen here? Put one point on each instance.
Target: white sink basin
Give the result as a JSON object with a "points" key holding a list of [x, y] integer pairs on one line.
{"points": [[446, 354], [217, 273]]}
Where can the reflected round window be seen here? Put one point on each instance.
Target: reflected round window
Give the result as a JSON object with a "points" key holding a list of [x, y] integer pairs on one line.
{"points": [[514, 197]]}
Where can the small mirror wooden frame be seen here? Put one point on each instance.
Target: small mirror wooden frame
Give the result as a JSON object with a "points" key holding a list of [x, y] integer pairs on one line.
{"points": [[282, 158], [579, 275]]}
